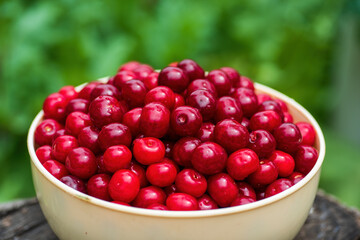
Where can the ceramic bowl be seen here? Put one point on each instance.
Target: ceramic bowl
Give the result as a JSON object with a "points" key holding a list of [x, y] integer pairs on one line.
{"points": [[74, 215]]}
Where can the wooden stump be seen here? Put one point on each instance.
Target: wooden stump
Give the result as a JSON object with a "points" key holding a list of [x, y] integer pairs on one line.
{"points": [[328, 219]]}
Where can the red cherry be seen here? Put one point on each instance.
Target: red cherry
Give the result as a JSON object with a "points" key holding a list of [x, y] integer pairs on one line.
{"points": [[104, 110], [134, 92], [191, 182], [56, 168], [191, 69], [284, 163], [241, 200], [117, 157], [140, 172], [295, 177], [87, 89], [151, 81], [232, 74], [246, 190], [204, 101], [88, 137], [157, 206], [221, 82], [228, 108], [162, 95], [305, 159], [174, 78], [178, 100], [185, 121], [77, 105], [81, 162], [62, 146], [154, 120], [148, 196], [43, 153], [132, 120], [76, 121], [129, 66], [262, 142], [54, 107], [148, 150], [142, 71], [231, 135], [277, 186], [74, 182], [206, 132], [205, 202], [68, 92], [222, 188], [265, 120], [114, 134], [161, 174], [307, 132], [288, 118], [271, 105], [247, 99], [97, 186], [124, 185], [244, 82], [184, 149], [104, 89], [181, 202], [201, 84], [288, 137], [262, 97], [45, 132], [122, 77], [264, 175], [242, 163]]}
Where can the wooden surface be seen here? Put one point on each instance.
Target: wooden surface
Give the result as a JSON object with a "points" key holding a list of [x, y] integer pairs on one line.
{"points": [[328, 219]]}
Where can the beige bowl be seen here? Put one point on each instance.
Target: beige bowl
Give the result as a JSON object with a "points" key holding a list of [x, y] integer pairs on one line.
{"points": [[74, 215]]}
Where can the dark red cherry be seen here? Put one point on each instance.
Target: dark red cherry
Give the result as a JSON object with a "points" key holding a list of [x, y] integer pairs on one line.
{"points": [[174, 78], [231, 135]]}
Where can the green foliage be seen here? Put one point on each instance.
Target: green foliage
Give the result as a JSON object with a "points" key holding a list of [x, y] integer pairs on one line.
{"points": [[47, 44]]}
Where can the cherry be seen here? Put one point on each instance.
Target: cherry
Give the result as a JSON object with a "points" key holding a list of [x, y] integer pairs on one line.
{"points": [[206, 132], [307, 132], [262, 97], [161, 174], [86, 91], [81, 162], [244, 82], [204, 101], [74, 182], [284, 163], [132, 120], [221, 82], [191, 182], [148, 196], [114, 134], [262, 142], [174, 78], [282, 105], [242, 163], [142, 71], [170, 189], [231, 135], [277, 186], [271, 105], [191, 69], [134, 92], [104, 110], [104, 89], [288, 118], [154, 120], [157, 206], [140, 172], [246, 190], [222, 188], [148, 150], [246, 123], [88, 137], [62, 146], [162, 95], [178, 100], [129, 66], [264, 175], [55, 168], [232, 74], [151, 81], [247, 99], [97, 186], [266, 120], [43, 153], [241, 200], [45, 132], [209, 158], [295, 177], [122, 77], [288, 137], [228, 108], [54, 107], [181, 202], [201, 84], [124, 185], [305, 159], [117, 157], [205, 202], [184, 149], [68, 92], [77, 105], [76, 121], [185, 121]]}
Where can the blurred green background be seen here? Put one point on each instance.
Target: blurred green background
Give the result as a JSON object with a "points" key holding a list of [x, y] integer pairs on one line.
{"points": [[308, 49]]}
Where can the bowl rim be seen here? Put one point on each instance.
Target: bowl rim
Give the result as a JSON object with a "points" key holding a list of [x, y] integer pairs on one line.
{"points": [[186, 214]]}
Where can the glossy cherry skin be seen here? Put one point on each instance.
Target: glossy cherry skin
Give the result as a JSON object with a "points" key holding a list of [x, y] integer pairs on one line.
{"points": [[88, 137], [191, 182], [45, 132], [148, 150], [191, 69], [178, 100], [185, 121], [157, 206], [231, 135], [288, 137], [140, 172], [114, 134], [161, 174], [76, 121], [206, 132], [221, 82], [203, 100], [288, 118], [43, 153], [205, 202], [81, 162], [105, 110], [181, 202], [54, 107], [124, 185], [228, 108], [241, 200], [284, 163], [262, 142], [174, 78], [170, 189], [307, 132], [246, 123], [244, 82], [246, 190], [151, 81], [183, 150], [86, 91], [266, 120], [56, 168], [161, 94], [278, 186], [232, 74], [74, 182], [69, 92], [142, 71], [271, 105], [222, 188], [305, 159], [62, 146], [201, 84], [247, 99], [264, 175], [262, 97], [104, 89], [148, 196], [209, 158], [129, 66], [132, 120], [117, 157], [282, 105], [77, 105], [242, 163], [154, 120], [134, 92], [296, 177], [97, 186], [122, 77]]}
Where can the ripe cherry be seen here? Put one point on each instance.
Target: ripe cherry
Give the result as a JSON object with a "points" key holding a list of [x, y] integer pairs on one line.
{"points": [[97, 186], [242, 163], [117, 157], [56, 168], [231, 135], [191, 182], [148, 150], [181, 202], [222, 188], [124, 186], [81, 162]]}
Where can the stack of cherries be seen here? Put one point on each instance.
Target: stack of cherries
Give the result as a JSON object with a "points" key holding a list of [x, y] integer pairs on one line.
{"points": [[175, 139]]}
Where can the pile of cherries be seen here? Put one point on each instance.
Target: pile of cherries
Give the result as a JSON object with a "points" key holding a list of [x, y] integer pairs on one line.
{"points": [[175, 139]]}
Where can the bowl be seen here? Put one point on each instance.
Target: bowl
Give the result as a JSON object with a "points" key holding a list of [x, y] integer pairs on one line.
{"points": [[74, 215]]}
